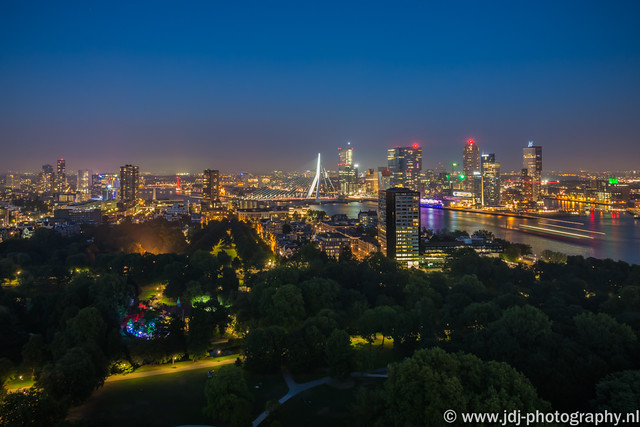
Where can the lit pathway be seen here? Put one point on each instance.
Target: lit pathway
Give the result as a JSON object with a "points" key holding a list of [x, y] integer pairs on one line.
{"points": [[179, 367]]}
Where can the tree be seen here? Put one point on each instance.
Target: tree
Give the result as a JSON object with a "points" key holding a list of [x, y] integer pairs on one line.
{"points": [[618, 392], [555, 257], [265, 348], [287, 307], [422, 387], [339, 354], [228, 397], [33, 352], [73, 375], [32, 407], [6, 373]]}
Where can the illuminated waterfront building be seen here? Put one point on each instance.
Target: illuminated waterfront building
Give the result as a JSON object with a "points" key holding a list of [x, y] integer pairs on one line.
{"points": [[490, 180], [129, 184], [347, 172], [532, 162], [405, 166], [371, 182], [399, 224], [470, 163]]}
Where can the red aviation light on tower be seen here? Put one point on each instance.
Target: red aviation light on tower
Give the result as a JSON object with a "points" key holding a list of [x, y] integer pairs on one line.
{"points": [[470, 141], [415, 146]]}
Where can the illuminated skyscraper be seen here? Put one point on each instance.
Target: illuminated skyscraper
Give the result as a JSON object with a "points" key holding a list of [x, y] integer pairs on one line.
{"points": [[83, 181], [490, 180], [347, 171], [210, 187], [129, 184], [405, 166], [532, 162], [61, 176], [399, 224], [470, 163], [46, 179]]}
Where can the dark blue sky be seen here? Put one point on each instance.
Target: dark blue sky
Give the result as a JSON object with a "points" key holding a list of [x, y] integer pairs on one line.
{"points": [[266, 85]]}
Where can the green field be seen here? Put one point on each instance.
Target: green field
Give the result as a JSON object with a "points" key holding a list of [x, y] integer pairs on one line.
{"points": [[160, 400], [166, 400], [230, 250], [321, 406]]}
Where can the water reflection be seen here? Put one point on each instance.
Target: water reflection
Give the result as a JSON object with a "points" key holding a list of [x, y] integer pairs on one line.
{"points": [[615, 234]]}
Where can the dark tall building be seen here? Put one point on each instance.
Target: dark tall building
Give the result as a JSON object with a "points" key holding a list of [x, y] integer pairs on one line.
{"points": [[470, 163], [490, 180], [532, 162], [399, 225], [129, 184], [61, 175], [405, 166], [210, 186]]}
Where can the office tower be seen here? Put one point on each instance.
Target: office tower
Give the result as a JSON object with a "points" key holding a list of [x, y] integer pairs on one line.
{"points": [[46, 179], [384, 178], [371, 182], [61, 176], [399, 224], [12, 181], [470, 163], [104, 186], [83, 181], [347, 172], [210, 186], [490, 180], [405, 166], [527, 185], [532, 162], [129, 183]]}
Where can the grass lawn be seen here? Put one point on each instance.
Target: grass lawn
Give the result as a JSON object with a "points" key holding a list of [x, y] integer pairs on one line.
{"points": [[151, 291], [18, 383], [269, 387], [161, 400], [320, 406], [376, 355], [230, 250], [305, 377]]}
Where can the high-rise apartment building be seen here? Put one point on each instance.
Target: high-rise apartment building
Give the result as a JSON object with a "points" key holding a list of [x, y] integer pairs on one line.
{"points": [[61, 176], [129, 184], [371, 183], [210, 187], [46, 179], [405, 166], [399, 224], [83, 181], [347, 172], [490, 180], [470, 163], [532, 162]]}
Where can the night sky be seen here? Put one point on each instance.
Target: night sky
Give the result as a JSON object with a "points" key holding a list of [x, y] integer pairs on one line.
{"points": [[257, 86]]}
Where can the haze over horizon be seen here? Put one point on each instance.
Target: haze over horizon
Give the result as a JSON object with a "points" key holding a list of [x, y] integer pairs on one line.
{"points": [[257, 87]]}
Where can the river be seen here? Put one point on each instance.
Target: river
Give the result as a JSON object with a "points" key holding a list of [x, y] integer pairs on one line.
{"points": [[616, 235]]}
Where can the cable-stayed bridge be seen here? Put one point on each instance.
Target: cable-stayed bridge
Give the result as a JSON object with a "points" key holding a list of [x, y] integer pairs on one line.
{"points": [[299, 188]]}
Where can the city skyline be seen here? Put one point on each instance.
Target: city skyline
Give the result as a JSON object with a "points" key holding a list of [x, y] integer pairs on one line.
{"points": [[266, 87]]}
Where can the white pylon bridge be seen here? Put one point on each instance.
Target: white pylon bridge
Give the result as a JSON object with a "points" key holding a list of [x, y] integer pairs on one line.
{"points": [[321, 177], [299, 187]]}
